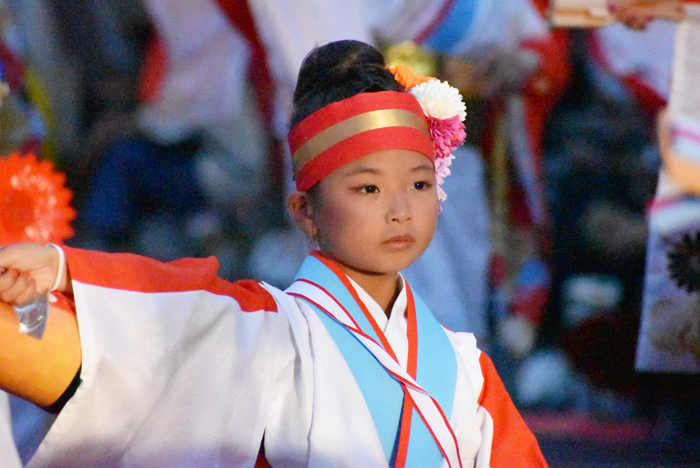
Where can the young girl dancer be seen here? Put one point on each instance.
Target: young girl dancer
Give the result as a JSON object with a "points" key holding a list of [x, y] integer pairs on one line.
{"points": [[347, 367]]}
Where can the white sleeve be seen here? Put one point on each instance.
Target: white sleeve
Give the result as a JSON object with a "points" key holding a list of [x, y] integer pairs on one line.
{"points": [[176, 366], [463, 27], [207, 61], [645, 55]]}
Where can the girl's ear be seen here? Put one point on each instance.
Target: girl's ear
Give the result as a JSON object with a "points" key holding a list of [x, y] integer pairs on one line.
{"points": [[300, 207]]}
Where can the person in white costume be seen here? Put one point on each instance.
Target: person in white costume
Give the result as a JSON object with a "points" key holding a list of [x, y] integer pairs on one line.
{"points": [[9, 458], [478, 29], [347, 367]]}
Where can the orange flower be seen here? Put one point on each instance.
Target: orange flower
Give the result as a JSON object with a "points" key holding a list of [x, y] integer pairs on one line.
{"points": [[34, 203], [404, 76]]}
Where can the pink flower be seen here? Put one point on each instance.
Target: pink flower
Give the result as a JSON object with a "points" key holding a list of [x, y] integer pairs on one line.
{"points": [[447, 134], [442, 196], [445, 110], [442, 168]]}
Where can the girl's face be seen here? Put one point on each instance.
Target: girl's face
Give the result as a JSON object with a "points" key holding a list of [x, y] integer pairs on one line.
{"points": [[376, 215]]}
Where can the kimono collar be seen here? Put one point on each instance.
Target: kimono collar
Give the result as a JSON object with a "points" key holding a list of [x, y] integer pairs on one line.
{"points": [[416, 399]]}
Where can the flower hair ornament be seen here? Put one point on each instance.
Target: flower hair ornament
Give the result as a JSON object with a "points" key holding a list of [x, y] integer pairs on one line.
{"points": [[445, 110], [427, 118]]}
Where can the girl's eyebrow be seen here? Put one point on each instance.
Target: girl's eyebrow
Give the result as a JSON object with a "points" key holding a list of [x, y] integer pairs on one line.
{"points": [[363, 170], [423, 167]]}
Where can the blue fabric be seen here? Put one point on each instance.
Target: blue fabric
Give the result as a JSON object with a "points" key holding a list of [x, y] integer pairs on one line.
{"points": [[454, 27], [386, 405], [436, 369], [137, 175], [314, 270], [437, 378]]}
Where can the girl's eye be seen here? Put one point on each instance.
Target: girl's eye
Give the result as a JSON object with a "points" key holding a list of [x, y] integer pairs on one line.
{"points": [[369, 189], [421, 185]]}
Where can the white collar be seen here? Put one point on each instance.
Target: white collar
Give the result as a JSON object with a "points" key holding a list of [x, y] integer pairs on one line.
{"points": [[395, 326]]}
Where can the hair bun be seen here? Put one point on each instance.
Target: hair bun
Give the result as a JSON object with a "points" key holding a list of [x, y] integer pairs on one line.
{"points": [[337, 71]]}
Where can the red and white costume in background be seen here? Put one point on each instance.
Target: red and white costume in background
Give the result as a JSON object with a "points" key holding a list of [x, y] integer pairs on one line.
{"points": [[291, 28], [181, 368], [641, 60], [198, 40]]}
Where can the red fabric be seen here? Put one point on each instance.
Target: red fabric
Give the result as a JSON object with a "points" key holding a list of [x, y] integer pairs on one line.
{"points": [[360, 145], [545, 87], [531, 303], [153, 71], [241, 17], [337, 112], [261, 462], [541, 92], [518, 206], [404, 436], [412, 369], [513, 443], [12, 68], [649, 100], [134, 273]]}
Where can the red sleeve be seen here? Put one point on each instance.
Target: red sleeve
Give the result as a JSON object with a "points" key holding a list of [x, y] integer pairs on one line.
{"points": [[135, 273], [513, 444]]}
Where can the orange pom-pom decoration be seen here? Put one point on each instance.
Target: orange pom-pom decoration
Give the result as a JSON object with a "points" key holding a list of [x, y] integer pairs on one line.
{"points": [[404, 76], [34, 203]]}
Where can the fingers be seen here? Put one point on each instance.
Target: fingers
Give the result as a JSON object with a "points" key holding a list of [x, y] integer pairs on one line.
{"points": [[16, 288], [11, 255], [40, 262]]}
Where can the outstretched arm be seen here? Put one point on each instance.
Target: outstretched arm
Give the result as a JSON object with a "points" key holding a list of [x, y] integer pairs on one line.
{"points": [[37, 370]]}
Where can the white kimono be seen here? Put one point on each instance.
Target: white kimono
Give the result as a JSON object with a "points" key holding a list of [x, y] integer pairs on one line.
{"points": [[181, 368]]}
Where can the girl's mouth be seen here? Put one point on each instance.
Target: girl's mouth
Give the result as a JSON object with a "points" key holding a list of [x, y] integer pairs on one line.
{"points": [[400, 242]]}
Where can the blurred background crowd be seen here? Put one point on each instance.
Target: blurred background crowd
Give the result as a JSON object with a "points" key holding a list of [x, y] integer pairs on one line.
{"points": [[168, 119]]}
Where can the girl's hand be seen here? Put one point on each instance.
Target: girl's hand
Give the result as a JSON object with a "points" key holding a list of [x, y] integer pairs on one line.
{"points": [[27, 270]]}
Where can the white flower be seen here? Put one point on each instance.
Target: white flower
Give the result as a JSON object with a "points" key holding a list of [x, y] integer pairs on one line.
{"points": [[440, 100]]}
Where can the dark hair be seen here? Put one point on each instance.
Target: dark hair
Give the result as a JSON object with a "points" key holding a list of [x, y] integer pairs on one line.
{"points": [[337, 71]]}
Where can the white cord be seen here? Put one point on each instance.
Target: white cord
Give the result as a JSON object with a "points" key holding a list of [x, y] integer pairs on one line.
{"points": [[61, 267]]}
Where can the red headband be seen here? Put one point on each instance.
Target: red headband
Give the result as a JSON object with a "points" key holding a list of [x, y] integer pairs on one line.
{"points": [[347, 130]]}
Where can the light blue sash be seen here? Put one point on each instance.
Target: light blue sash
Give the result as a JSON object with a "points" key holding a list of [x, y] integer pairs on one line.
{"points": [[436, 369]]}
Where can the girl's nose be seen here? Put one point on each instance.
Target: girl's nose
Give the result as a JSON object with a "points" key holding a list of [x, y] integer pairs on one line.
{"points": [[399, 208]]}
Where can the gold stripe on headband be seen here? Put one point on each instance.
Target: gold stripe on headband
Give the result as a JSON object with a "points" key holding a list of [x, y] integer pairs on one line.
{"points": [[333, 135]]}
